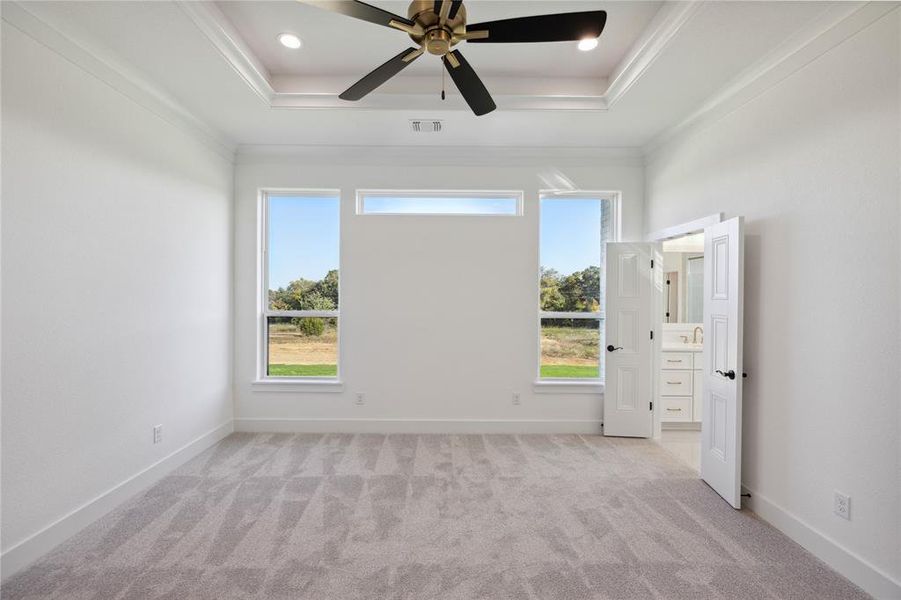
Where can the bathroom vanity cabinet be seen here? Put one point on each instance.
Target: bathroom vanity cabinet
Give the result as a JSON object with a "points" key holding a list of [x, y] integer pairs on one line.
{"points": [[680, 385]]}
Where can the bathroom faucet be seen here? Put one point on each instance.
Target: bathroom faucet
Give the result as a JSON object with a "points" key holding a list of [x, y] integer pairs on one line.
{"points": [[694, 335]]}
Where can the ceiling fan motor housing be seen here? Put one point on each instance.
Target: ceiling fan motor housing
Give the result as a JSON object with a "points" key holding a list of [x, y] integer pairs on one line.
{"points": [[437, 39]]}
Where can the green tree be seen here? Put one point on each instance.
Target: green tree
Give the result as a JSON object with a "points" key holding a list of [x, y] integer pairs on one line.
{"points": [[328, 286], [591, 286], [551, 298], [310, 326], [304, 294], [576, 292]]}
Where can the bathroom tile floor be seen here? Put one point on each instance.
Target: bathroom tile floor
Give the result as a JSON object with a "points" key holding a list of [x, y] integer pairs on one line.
{"points": [[685, 445]]}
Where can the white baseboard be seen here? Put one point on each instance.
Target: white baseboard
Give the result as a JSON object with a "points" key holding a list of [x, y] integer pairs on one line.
{"points": [[872, 580], [31, 548], [415, 426]]}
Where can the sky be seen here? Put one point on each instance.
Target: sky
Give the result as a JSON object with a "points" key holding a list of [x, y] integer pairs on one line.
{"points": [[303, 234], [303, 238], [570, 234], [441, 205]]}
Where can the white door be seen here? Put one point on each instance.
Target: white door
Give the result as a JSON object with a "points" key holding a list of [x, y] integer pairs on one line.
{"points": [[628, 339], [657, 326], [723, 300]]}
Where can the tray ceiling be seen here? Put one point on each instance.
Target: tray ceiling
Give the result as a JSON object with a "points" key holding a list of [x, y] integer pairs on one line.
{"points": [[337, 45], [658, 67]]}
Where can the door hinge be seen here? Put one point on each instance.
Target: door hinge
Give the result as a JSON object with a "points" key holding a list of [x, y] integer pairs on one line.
{"points": [[652, 263], [652, 334], [651, 407]]}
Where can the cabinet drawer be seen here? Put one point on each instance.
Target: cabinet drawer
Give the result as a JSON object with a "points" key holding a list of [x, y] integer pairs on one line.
{"points": [[676, 409], [676, 360], [675, 383]]}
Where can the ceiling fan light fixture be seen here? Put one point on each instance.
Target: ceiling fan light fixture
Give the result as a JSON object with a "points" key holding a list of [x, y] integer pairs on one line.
{"points": [[586, 44], [436, 26], [289, 40]]}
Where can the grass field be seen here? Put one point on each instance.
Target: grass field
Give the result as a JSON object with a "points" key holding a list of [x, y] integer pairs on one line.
{"points": [[569, 352], [569, 371], [566, 352], [294, 354], [303, 370]]}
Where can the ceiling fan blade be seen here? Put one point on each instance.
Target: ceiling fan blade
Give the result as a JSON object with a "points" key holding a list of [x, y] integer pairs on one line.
{"points": [[454, 7], [381, 74], [469, 84], [563, 27], [363, 11]]}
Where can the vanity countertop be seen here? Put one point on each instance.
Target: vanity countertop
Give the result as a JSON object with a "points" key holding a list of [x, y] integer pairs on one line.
{"points": [[682, 347]]}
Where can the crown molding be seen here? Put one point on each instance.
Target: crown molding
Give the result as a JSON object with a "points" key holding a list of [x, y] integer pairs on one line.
{"points": [[277, 92], [493, 156], [840, 21], [669, 20], [102, 65], [230, 45], [454, 102]]}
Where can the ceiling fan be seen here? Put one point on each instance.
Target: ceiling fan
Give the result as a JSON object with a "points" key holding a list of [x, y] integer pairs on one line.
{"points": [[436, 26]]}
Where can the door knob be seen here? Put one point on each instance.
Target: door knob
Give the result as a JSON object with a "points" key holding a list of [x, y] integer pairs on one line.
{"points": [[612, 348], [730, 373]]}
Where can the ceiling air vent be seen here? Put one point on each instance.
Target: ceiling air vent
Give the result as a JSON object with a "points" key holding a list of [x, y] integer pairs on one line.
{"points": [[425, 126]]}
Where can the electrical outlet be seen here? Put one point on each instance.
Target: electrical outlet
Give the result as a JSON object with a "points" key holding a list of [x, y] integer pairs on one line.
{"points": [[516, 401], [841, 505], [361, 399], [157, 434]]}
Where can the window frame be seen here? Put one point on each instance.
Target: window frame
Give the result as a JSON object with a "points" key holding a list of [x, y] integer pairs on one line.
{"points": [[575, 384], [295, 383], [361, 195]]}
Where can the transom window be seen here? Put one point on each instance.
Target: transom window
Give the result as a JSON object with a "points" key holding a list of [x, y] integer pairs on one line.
{"points": [[416, 202], [300, 295], [574, 229]]}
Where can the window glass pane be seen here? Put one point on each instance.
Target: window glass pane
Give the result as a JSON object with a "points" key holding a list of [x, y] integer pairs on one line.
{"points": [[303, 252], [440, 204], [571, 348], [302, 347], [573, 233]]}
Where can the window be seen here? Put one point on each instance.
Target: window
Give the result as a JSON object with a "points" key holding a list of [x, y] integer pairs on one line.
{"points": [[574, 229], [300, 317], [375, 202]]}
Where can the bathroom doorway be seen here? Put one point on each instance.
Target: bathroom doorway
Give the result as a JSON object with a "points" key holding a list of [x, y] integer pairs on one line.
{"points": [[698, 367], [680, 376]]}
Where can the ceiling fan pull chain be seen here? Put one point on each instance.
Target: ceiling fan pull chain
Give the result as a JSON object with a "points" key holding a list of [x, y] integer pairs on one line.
{"points": [[442, 84]]}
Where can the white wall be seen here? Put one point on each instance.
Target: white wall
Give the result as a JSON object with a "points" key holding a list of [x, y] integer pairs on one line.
{"points": [[439, 314], [813, 165], [116, 308]]}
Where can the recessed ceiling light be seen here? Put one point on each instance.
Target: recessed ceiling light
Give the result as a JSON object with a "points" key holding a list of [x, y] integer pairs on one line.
{"points": [[587, 44], [289, 40]]}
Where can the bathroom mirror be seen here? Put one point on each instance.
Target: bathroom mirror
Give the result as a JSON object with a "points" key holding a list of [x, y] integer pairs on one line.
{"points": [[683, 300]]}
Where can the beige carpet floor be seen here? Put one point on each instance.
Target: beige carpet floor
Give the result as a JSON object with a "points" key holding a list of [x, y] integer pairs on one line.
{"points": [[543, 517]]}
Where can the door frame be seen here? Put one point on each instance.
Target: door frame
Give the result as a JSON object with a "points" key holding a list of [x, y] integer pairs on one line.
{"points": [[676, 231]]}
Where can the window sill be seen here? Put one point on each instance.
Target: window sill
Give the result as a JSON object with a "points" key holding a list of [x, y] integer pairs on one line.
{"points": [[303, 386], [564, 386]]}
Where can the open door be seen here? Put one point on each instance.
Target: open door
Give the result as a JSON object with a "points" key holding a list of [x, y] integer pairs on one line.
{"points": [[629, 339], [657, 325], [723, 304]]}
